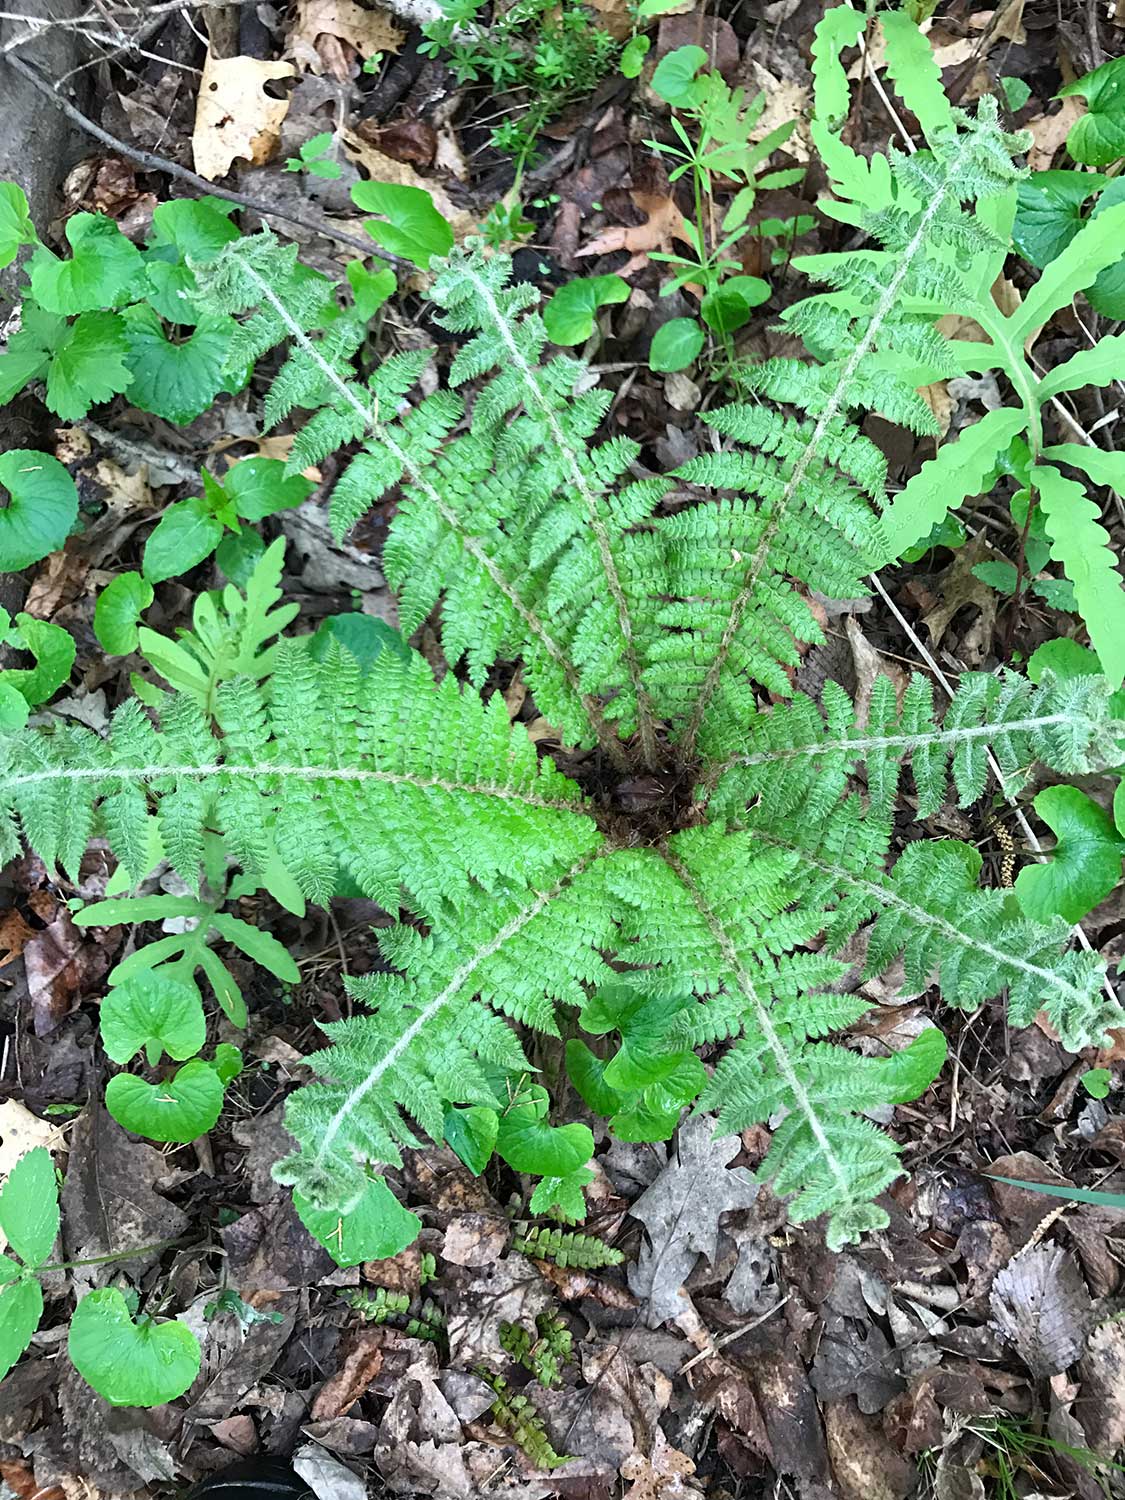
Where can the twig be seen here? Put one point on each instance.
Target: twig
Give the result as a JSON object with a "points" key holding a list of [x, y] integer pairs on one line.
{"points": [[153, 163], [994, 765]]}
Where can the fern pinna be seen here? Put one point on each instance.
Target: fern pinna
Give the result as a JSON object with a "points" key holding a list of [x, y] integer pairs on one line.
{"points": [[649, 614]]}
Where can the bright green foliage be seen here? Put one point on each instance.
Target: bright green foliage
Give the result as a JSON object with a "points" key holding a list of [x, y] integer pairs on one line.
{"points": [[53, 649], [29, 1219], [569, 316], [42, 506], [118, 611], [413, 229], [544, 1355], [1086, 863], [566, 1248], [180, 1108], [517, 1415], [1098, 138], [376, 1227], [317, 157], [140, 1363], [651, 637], [382, 1306], [16, 228], [153, 1012]]}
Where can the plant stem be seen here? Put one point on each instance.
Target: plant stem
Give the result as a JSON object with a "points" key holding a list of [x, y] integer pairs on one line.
{"points": [[116, 1255]]}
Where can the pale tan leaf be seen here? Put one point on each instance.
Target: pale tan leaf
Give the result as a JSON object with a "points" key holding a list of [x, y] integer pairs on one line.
{"points": [[382, 168], [1050, 131], [368, 31], [664, 223], [234, 116]]}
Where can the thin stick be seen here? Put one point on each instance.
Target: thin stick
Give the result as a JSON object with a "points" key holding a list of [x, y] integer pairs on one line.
{"points": [[153, 163]]}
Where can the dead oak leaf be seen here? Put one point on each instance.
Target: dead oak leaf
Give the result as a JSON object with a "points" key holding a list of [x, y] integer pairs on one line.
{"points": [[234, 116], [663, 1474], [663, 224], [368, 31], [1040, 1302]]}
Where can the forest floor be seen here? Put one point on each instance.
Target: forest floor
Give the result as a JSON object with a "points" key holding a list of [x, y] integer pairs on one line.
{"points": [[730, 1354]]}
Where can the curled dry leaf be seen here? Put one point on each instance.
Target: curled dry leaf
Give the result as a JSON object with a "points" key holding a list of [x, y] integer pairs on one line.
{"points": [[234, 116], [664, 224], [663, 1474]]}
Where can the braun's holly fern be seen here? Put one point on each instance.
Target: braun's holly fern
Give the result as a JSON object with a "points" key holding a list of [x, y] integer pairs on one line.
{"points": [[647, 633]]}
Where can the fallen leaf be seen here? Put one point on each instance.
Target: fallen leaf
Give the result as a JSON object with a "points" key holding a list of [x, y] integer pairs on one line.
{"points": [[869, 665], [1040, 1302], [664, 223], [959, 586], [361, 1363], [681, 1212], [234, 116], [663, 1474], [1005, 24], [62, 964], [14, 934], [483, 1297], [1101, 1405], [368, 31], [865, 1463], [937, 398], [1050, 131], [475, 1240], [785, 101], [326, 1476], [21, 1132]]}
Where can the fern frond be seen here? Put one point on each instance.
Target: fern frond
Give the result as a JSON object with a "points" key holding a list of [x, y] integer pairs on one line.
{"points": [[1082, 544], [517, 1415], [803, 755], [566, 1247]]}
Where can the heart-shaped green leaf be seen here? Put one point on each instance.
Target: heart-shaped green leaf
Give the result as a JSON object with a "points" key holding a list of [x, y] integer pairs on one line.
{"points": [[29, 1207], [88, 365], [16, 228], [529, 1144], [41, 509], [259, 487], [53, 649], [377, 1227], [175, 381], [569, 316], [181, 1109], [1086, 864], [675, 80], [130, 1364], [21, 1307], [1098, 138], [118, 611], [156, 1013]]}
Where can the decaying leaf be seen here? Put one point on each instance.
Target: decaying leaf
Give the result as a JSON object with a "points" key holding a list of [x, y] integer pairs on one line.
{"points": [[664, 224], [663, 1474], [681, 1212], [368, 31], [1100, 1406], [234, 116], [1040, 1302], [21, 1132]]}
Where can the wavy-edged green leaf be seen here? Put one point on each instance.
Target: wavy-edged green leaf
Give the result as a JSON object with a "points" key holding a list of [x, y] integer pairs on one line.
{"points": [[154, 1012], [21, 1307], [1085, 864], [103, 269], [375, 1229], [16, 228], [176, 381], [569, 316], [1098, 138], [182, 1108], [1096, 245]]}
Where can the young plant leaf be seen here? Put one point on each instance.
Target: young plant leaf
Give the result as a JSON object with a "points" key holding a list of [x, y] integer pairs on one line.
{"points": [[633, 56], [260, 487], [89, 364], [728, 307], [259, 945], [103, 269], [29, 1207], [186, 533], [53, 649], [130, 1363], [1049, 213], [154, 1012], [569, 316], [21, 1307], [675, 345], [529, 1144], [181, 1109], [1098, 138], [16, 228], [375, 1229], [1096, 245], [42, 507], [471, 1135], [415, 230], [1086, 863], [118, 611], [674, 80]]}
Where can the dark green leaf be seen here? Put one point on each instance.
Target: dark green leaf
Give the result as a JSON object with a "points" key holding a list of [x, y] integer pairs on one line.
{"points": [[260, 487], [1049, 212], [175, 381], [729, 307], [471, 1135], [1098, 138], [88, 366], [365, 636]]}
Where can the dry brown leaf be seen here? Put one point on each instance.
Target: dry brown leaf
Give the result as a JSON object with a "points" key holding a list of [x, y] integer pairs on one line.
{"points": [[1040, 1302], [234, 116], [785, 101], [361, 1364], [14, 934], [1101, 1406], [663, 1474], [1050, 131], [383, 168], [21, 1132], [368, 31], [664, 224], [870, 664], [941, 403], [1005, 24]]}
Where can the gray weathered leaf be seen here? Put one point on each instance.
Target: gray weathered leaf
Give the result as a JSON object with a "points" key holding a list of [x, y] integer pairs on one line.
{"points": [[1040, 1302]]}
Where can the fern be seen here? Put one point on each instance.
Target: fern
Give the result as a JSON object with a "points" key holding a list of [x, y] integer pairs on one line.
{"points": [[517, 1415], [647, 639], [566, 1247]]}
